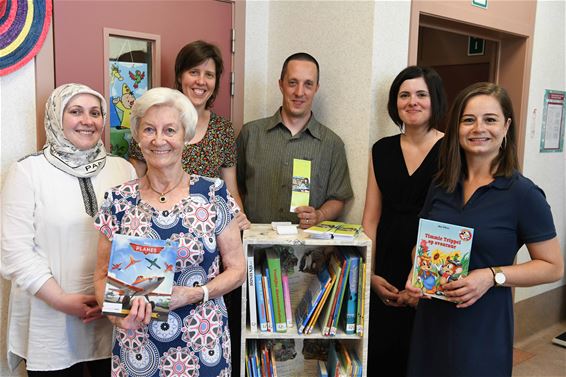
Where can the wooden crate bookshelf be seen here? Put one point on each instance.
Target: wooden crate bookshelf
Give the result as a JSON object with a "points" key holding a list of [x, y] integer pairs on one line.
{"points": [[261, 236]]}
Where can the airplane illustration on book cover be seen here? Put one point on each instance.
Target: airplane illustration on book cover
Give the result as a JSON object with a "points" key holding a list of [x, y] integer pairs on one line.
{"points": [[140, 267]]}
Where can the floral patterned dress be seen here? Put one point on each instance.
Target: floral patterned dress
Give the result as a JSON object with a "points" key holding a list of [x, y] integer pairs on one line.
{"points": [[195, 340], [215, 151]]}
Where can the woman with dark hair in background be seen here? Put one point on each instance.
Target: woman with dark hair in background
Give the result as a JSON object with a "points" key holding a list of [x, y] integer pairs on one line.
{"points": [[479, 186], [212, 151], [400, 170]]}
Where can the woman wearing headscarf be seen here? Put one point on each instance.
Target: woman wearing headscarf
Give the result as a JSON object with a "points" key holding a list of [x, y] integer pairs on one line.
{"points": [[49, 243]]}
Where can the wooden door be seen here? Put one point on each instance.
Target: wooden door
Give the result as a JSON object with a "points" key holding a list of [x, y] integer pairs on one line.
{"points": [[79, 45]]}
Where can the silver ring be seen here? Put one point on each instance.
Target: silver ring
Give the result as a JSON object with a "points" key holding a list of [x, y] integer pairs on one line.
{"points": [[386, 301]]}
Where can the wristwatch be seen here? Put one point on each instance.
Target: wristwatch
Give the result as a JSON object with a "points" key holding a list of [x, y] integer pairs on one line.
{"points": [[499, 277]]}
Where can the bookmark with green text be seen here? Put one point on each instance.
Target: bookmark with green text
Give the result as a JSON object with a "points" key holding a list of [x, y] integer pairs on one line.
{"points": [[301, 183]]}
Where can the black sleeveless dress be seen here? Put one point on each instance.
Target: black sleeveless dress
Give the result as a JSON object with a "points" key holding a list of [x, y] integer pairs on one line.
{"points": [[403, 196]]}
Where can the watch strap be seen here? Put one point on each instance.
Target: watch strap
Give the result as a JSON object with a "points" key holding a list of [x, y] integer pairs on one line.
{"points": [[205, 296]]}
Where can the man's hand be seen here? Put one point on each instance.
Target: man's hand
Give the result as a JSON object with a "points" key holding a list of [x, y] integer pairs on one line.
{"points": [[308, 216]]}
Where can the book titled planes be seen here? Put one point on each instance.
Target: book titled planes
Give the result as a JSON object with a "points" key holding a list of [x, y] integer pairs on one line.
{"points": [[442, 255], [140, 267]]}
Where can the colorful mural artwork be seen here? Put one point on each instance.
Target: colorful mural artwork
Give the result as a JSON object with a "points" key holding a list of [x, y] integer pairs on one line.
{"points": [[128, 81]]}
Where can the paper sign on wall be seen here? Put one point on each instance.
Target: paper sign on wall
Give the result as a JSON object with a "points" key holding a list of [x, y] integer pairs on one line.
{"points": [[552, 130]]}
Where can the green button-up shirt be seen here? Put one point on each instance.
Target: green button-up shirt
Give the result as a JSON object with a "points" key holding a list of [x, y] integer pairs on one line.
{"points": [[266, 150]]}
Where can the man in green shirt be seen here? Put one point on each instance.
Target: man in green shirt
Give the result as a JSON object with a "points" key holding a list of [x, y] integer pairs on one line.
{"points": [[267, 148]]}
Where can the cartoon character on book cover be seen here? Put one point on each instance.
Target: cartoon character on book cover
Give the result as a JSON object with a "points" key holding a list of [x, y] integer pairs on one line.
{"points": [[140, 267], [442, 256]]}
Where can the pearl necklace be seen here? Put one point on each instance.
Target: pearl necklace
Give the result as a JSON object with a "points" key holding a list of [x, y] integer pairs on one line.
{"points": [[162, 197]]}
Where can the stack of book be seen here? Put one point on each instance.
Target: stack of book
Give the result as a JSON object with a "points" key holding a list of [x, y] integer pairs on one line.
{"points": [[343, 361], [335, 299], [260, 360], [269, 296], [334, 229]]}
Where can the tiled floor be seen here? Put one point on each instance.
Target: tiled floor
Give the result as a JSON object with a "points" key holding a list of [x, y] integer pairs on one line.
{"points": [[538, 356]]}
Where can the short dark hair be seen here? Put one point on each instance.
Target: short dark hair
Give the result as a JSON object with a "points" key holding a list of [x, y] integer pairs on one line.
{"points": [[193, 54], [452, 162], [300, 56], [435, 89]]}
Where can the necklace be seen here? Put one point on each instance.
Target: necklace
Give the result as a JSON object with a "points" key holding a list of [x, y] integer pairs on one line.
{"points": [[162, 197]]}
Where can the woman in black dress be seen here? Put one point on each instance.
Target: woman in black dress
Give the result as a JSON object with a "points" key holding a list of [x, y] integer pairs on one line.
{"points": [[400, 170]]}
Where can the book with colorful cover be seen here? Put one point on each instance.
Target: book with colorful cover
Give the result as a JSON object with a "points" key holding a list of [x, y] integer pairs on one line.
{"points": [[262, 313], [347, 231], [252, 294], [351, 293], [341, 289], [334, 229], [323, 230], [337, 266], [334, 365], [344, 357], [361, 298], [287, 298], [140, 267], [312, 297], [267, 296], [322, 371], [318, 310], [276, 284], [442, 255]]}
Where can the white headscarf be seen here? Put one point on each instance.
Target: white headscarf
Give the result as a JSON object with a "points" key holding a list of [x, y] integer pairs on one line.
{"points": [[58, 150]]}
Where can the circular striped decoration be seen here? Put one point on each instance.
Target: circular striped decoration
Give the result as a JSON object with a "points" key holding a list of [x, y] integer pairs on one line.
{"points": [[23, 27]]}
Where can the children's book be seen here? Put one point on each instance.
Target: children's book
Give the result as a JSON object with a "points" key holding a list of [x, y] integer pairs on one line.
{"points": [[252, 294], [442, 255], [287, 298], [340, 293], [267, 297], [320, 305], [323, 230], [140, 267], [336, 266], [322, 372], [334, 365], [312, 297], [347, 231], [261, 311], [350, 305], [361, 299], [334, 229], [276, 284]]}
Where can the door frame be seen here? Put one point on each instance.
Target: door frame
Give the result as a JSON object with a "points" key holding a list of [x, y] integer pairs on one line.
{"points": [[510, 24], [45, 72]]}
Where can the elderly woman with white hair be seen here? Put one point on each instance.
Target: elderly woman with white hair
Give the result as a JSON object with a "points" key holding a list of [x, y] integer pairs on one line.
{"points": [[49, 243], [196, 212]]}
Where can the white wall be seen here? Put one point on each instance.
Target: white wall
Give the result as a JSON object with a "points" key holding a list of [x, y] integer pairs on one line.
{"points": [[548, 170], [348, 39], [361, 46], [17, 138]]}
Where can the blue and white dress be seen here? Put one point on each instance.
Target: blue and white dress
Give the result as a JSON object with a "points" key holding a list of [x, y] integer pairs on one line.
{"points": [[195, 340]]}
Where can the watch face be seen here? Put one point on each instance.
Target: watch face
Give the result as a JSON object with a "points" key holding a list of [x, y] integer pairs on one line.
{"points": [[500, 278]]}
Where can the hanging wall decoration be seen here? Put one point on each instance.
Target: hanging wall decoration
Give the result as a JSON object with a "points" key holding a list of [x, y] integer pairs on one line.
{"points": [[23, 27]]}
